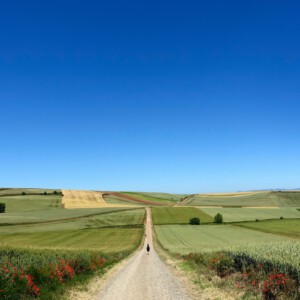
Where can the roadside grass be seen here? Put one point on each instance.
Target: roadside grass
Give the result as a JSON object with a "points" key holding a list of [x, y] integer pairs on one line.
{"points": [[251, 214], [153, 197], [256, 271], [23, 217], [106, 240], [235, 264], [184, 239], [123, 218], [203, 282], [290, 228], [211, 285], [48, 274], [262, 199], [178, 215]]}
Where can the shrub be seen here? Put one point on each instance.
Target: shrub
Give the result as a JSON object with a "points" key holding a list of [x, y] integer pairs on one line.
{"points": [[2, 207], [45, 193], [195, 221], [281, 218], [55, 193], [23, 193], [257, 220], [218, 218], [223, 264]]}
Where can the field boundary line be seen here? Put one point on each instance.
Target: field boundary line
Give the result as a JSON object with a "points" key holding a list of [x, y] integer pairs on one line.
{"points": [[67, 219]]}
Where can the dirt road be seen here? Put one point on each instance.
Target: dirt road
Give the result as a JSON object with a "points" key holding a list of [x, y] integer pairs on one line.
{"points": [[144, 277]]}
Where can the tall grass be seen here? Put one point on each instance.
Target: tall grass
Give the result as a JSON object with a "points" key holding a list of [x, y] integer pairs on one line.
{"points": [[26, 274], [271, 271], [282, 256]]}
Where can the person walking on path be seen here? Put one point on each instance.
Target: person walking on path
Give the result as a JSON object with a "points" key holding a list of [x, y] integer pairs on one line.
{"points": [[148, 249]]}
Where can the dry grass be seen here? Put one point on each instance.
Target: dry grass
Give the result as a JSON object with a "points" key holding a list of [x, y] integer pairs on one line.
{"points": [[238, 194], [85, 199]]}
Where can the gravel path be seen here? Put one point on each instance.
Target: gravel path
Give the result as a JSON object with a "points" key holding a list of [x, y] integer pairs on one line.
{"points": [[144, 277]]}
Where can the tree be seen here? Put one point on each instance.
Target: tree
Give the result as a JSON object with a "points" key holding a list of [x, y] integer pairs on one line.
{"points": [[218, 218], [195, 221], [2, 207]]}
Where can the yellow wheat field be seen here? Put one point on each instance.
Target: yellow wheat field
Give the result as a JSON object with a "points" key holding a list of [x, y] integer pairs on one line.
{"points": [[85, 199], [238, 194]]}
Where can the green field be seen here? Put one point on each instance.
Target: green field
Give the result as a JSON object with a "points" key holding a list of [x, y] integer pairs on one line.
{"points": [[29, 216], [156, 197], [165, 196], [52, 215], [19, 191], [35, 206], [108, 218], [111, 199], [283, 255], [37, 220], [281, 199], [31, 202], [188, 238], [107, 240], [290, 228], [251, 214], [178, 215]]}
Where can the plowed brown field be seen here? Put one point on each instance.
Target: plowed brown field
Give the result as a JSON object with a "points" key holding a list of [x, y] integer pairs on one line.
{"points": [[135, 199]]}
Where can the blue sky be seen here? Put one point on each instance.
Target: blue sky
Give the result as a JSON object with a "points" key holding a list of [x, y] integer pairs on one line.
{"points": [[174, 96]]}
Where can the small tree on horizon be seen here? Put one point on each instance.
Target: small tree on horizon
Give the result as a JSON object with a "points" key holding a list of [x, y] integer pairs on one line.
{"points": [[218, 218], [2, 207], [195, 221]]}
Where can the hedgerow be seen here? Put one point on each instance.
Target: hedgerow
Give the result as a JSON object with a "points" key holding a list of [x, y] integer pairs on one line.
{"points": [[270, 270], [27, 274]]}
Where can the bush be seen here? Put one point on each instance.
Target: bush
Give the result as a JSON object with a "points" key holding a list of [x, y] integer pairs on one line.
{"points": [[218, 218], [223, 264], [55, 193], [45, 193], [195, 221], [2, 207], [23, 193], [281, 218]]}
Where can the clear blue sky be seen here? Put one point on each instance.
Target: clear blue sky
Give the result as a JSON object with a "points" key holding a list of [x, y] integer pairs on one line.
{"points": [[175, 96]]}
